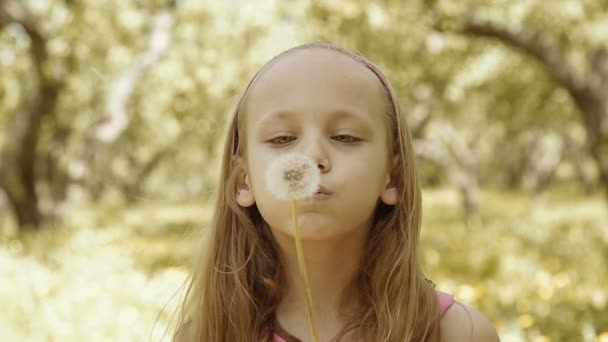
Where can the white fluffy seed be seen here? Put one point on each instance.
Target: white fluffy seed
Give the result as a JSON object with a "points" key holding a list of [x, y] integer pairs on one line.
{"points": [[292, 176]]}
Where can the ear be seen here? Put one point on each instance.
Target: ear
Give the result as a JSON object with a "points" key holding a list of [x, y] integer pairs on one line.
{"points": [[389, 195], [244, 193]]}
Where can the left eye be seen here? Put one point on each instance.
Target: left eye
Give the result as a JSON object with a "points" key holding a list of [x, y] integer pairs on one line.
{"points": [[345, 138], [281, 140]]}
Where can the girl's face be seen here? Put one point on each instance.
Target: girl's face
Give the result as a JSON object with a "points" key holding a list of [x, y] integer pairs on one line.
{"points": [[332, 108]]}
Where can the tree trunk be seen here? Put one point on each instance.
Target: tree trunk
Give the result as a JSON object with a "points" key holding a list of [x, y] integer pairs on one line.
{"points": [[588, 93], [18, 174]]}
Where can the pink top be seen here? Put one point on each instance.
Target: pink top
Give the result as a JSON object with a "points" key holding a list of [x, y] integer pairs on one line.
{"points": [[445, 301]]}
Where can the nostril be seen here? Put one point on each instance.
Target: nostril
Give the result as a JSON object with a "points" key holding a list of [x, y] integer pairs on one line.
{"points": [[323, 164]]}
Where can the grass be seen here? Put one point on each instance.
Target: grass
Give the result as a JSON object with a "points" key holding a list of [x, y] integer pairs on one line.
{"points": [[534, 266]]}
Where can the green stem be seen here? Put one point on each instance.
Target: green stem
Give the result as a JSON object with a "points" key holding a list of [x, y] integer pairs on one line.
{"points": [[298, 240]]}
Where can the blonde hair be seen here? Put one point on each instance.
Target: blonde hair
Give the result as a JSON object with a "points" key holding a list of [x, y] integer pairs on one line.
{"points": [[237, 282]]}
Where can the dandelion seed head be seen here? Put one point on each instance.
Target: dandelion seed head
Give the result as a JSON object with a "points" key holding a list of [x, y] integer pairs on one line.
{"points": [[292, 176]]}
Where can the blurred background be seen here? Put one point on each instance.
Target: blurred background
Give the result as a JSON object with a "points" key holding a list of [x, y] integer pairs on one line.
{"points": [[112, 115]]}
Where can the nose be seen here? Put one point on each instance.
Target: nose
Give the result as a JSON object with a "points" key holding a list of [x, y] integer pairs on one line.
{"points": [[318, 152], [324, 165]]}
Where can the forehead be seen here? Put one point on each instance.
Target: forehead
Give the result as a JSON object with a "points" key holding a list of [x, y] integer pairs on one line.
{"points": [[316, 81]]}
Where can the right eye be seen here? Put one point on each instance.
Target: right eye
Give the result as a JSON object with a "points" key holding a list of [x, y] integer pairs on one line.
{"points": [[283, 139]]}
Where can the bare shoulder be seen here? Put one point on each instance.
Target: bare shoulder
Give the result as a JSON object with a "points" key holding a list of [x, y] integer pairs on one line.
{"points": [[463, 323]]}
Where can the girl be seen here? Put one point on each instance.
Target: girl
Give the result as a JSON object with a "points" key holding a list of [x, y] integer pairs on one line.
{"points": [[359, 234]]}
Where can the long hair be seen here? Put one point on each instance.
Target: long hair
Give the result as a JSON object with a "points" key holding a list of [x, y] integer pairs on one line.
{"points": [[237, 281]]}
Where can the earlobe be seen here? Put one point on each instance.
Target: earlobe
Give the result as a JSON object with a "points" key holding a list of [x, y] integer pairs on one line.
{"points": [[389, 196], [244, 195]]}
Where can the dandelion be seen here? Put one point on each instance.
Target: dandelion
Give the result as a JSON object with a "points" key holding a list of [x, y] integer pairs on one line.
{"points": [[293, 177]]}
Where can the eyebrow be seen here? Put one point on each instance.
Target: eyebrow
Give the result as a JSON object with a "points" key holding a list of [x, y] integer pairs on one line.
{"points": [[335, 116]]}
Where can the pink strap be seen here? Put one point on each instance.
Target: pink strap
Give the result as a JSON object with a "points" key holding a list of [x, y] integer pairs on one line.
{"points": [[278, 338], [445, 301]]}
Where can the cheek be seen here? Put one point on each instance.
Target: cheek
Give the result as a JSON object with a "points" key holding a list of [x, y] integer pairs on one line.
{"points": [[276, 212], [257, 162], [368, 169]]}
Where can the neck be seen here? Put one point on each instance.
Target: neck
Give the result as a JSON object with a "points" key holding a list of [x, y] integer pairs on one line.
{"points": [[331, 264]]}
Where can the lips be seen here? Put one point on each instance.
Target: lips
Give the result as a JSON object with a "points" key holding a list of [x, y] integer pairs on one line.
{"points": [[321, 195], [323, 190]]}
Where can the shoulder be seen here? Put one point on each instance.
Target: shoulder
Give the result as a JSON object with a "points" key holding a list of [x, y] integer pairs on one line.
{"points": [[463, 323]]}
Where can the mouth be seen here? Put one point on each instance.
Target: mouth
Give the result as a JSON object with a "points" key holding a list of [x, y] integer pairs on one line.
{"points": [[323, 191], [321, 194]]}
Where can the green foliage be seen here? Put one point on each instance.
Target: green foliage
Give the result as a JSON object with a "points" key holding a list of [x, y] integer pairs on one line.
{"points": [[533, 264], [177, 115]]}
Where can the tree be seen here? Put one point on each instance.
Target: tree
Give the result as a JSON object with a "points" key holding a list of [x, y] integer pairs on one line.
{"points": [[18, 158], [135, 112], [27, 166], [588, 93]]}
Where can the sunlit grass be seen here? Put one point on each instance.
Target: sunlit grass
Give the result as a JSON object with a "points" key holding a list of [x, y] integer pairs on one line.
{"points": [[534, 265], [98, 278]]}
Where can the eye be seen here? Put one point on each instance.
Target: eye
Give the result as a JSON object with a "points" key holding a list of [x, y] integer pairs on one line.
{"points": [[345, 138], [280, 140]]}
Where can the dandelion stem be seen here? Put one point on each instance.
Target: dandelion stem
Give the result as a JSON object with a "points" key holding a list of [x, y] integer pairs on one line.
{"points": [[303, 274]]}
